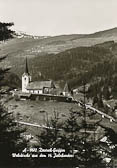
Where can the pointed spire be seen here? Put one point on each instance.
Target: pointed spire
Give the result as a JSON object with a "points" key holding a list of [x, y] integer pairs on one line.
{"points": [[66, 88], [26, 67]]}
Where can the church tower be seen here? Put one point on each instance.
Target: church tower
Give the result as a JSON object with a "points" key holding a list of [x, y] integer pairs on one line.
{"points": [[26, 79]]}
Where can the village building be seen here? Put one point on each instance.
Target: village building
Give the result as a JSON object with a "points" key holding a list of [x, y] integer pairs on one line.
{"points": [[36, 87], [43, 90]]}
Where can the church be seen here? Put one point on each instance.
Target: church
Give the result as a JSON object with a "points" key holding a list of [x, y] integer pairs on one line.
{"points": [[36, 87]]}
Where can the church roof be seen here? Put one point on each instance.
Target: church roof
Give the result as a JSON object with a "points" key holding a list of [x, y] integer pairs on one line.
{"points": [[40, 85]]}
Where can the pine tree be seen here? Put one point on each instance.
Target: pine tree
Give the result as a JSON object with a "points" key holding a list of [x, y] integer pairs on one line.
{"points": [[11, 136], [86, 152], [74, 141], [51, 132], [49, 138], [11, 140], [112, 137], [5, 32], [100, 101], [71, 139], [106, 92]]}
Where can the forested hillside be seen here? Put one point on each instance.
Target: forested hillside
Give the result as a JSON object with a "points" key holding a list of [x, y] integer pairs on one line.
{"points": [[70, 58], [95, 65], [71, 63]]}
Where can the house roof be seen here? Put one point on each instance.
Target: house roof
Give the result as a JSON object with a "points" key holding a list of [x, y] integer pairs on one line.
{"points": [[40, 85]]}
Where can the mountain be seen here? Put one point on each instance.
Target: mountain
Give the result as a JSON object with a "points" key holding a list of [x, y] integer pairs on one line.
{"points": [[24, 44], [43, 53], [112, 33]]}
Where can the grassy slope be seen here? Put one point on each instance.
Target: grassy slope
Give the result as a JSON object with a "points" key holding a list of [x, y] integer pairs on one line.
{"points": [[35, 112]]}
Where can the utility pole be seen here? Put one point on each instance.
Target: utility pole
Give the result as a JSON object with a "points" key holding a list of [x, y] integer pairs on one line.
{"points": [[85, 124]]}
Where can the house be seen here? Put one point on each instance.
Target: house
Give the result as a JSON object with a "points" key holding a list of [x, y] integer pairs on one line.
{"points": [[36, 87]]}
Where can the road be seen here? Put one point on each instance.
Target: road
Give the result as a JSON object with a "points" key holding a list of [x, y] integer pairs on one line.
{"points": [[112, 119], [34, 125]]}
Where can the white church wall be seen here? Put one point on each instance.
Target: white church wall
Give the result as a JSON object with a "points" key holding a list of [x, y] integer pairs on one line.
{"points": [[25, 82], [31, 91], [40, 91], [36, 91]]}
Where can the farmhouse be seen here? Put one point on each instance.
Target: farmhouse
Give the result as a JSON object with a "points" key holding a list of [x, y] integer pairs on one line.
{"points": [[36, 87]]}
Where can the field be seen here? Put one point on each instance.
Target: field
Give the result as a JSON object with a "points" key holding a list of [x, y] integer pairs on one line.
{"points": [[36, 112]]}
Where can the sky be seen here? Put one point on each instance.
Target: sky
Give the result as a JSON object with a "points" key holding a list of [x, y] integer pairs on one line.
{"points": [[55, 17]]}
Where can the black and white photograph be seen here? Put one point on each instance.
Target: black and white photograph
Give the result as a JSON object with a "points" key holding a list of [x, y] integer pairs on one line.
{"points": [[58, 83]]}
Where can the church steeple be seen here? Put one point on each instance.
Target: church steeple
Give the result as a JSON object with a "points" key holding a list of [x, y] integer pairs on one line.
{"points": [[66, 90], [26, 67], [26, 78]]}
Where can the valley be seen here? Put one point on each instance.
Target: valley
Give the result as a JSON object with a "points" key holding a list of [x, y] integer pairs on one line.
{"points": [[68, 58]]}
